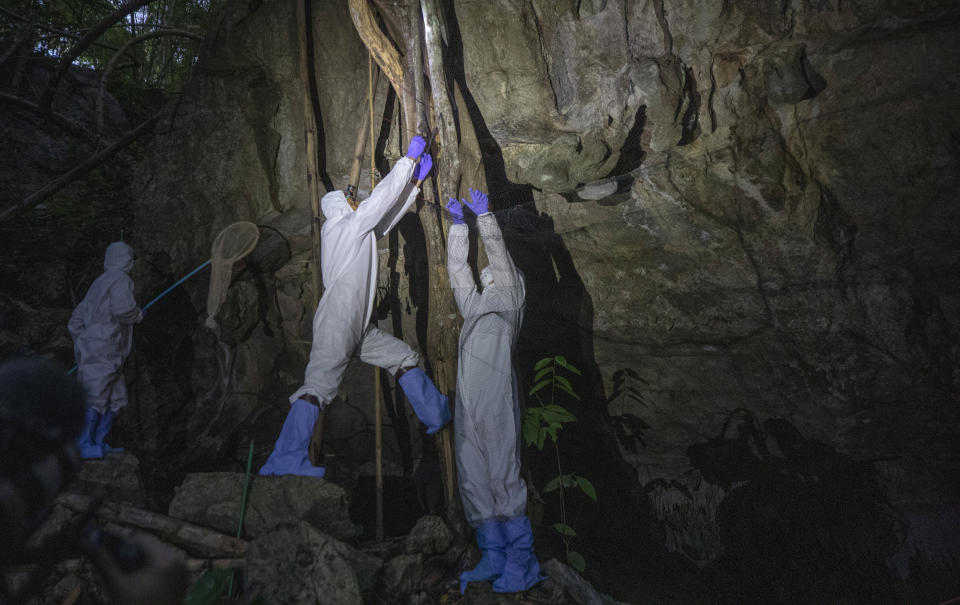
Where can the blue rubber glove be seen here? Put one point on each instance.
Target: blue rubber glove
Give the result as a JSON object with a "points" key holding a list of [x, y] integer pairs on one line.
{"points": [[423, 168], [456, 211], [417, 145], [480, 203]]}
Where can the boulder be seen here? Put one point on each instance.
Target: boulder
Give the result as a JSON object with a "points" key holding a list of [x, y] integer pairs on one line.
{"points": [[429, 536], [298, 564], [213, 500]]}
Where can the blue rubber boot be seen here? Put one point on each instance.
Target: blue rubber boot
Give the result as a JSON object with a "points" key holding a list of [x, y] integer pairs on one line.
{"points": [[290, 454], [429, 404], [522, 571], [492, 545], [103, 427], [85, 442]]}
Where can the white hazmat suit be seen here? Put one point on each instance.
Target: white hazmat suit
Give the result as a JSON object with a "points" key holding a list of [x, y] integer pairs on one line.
{"points": [[487, 431], [349, 263], [487, 428], [341, 324], [102, 331]]}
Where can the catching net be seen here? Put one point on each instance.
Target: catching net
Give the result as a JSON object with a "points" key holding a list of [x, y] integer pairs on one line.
{"points": [[233, 243]]}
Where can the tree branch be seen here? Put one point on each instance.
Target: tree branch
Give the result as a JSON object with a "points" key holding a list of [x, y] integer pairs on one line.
{"points": [[89, 38], [108, 70], [48, 190], [383, 51], [53, 30], [59, 119]]}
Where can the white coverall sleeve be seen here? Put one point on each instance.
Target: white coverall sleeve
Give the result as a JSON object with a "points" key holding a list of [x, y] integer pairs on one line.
{"points": [[123, 307], [461, 280], [75, 325], [384, 197], [501, 265]]}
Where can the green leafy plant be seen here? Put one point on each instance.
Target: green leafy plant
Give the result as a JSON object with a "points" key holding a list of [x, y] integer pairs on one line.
{"points": [[546, 420]]}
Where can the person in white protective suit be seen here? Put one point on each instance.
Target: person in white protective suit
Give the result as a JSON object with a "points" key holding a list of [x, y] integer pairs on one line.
{"points": [[487, 428], [341, 324], [102, 331]]}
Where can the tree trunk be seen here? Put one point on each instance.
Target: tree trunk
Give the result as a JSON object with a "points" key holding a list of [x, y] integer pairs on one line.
{"points": [[443, 330]]}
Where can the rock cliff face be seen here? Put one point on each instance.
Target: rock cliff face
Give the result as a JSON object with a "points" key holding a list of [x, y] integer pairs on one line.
{"points": [[735, 217]]}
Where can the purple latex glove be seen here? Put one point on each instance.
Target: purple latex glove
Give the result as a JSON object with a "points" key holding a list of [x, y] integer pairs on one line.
{"points": [[417, 145], [480, 203], [423, 168], [456, 211]]}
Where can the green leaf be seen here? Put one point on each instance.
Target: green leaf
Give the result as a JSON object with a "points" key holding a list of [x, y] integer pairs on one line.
{"points": [[576, 561], [561, 361], [531, 428], [568, 391], [561, 380], [539, 386], [552, 430], [552, 484], [542, 373], [542, 363], [587, 487], [558, 413], [568, 481], [564, 530], [209, 587]]}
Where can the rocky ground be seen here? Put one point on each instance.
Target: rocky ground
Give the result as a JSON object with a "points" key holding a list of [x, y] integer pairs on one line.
{"points": [[298, 544]]}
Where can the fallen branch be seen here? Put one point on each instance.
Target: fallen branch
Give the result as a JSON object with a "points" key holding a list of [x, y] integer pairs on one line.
{"points": [[50, 188], [182, 533], [72, 565], [59, 119]]}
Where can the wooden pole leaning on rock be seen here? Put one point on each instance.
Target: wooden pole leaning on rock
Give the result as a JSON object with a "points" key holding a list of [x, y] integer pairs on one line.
{"points": [[182, 533], [359, 149], [377, 394], [315, 449]]}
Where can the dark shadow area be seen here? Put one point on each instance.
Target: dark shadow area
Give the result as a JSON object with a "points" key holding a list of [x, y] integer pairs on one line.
{"points": [[632, 153], [415, 266], [162, 361], [613, 532], [401, 508], [315, 102], [803, 522]]}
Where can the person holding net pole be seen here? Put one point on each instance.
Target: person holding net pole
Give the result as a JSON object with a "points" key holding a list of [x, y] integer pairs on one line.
{"points": [[487, 428], [102, 330], [341, 324]]}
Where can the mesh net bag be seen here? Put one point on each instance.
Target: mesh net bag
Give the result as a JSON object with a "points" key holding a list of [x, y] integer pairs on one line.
{"points": [[233, 243]]}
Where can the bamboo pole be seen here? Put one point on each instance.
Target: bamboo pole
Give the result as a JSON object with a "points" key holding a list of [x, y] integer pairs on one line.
{"points": [[313, 190], [359, 148], [310, 150], [377, 394]]}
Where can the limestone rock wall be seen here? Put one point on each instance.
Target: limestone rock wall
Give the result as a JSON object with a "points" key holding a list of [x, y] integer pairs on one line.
{"points": [[740, 209]]}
